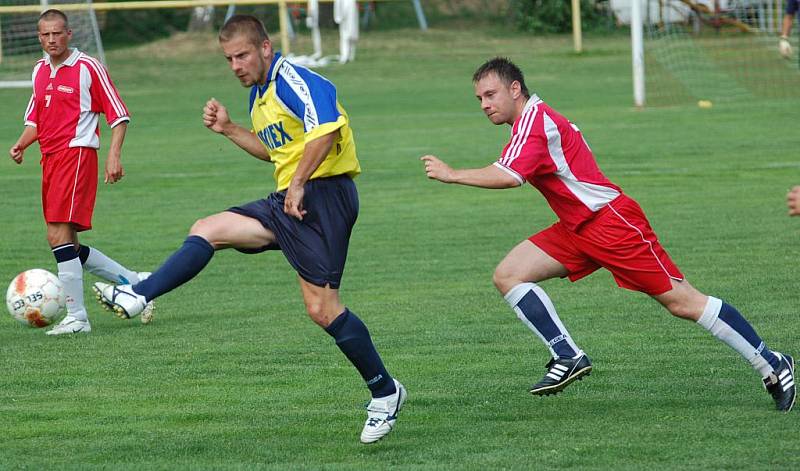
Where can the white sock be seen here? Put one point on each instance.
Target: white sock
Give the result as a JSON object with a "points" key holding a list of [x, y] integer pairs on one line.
{"points": [[70, 273], [719, 329], [98, 263]]}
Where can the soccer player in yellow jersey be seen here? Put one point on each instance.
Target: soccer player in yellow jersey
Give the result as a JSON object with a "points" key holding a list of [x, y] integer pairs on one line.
{"points": [[298, 124]]}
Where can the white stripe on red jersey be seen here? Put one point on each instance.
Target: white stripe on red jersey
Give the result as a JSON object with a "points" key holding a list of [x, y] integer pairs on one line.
{"points": [[551, 154], [67, 101]]}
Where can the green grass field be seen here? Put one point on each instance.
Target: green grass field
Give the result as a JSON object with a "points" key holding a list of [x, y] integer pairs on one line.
{"points": [[232, 375]]}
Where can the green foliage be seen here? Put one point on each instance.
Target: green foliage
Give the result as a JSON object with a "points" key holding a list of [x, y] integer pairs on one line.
{"points": [[133, 27], [555, 16]]}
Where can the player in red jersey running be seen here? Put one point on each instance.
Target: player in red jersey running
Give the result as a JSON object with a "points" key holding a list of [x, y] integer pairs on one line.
{"points": [[70, 90], [598, 226]]}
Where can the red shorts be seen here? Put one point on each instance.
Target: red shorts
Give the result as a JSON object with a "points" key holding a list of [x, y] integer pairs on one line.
{"points": [[69, 186], [619, 238]]}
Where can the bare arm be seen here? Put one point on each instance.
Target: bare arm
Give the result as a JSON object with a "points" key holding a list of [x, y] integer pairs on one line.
{"points": [[114, 171], [28, 137], [314, 153], [215, 118], [486, 177]]}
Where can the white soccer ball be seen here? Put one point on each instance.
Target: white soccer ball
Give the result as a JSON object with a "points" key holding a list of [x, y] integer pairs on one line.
{"points": [[35, 297]]}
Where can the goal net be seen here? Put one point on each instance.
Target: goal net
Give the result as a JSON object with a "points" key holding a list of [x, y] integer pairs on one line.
{"points": [[19, 41], [716, 50]]}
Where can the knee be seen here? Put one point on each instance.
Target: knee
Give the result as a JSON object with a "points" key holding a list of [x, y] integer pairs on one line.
{"points": [[504, 279], [201, 227], [316, 311], [678, 309], [208, 230], [54, 240], [689, 309]]}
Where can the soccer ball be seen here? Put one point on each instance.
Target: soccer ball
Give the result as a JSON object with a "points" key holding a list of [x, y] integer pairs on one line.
{"points": [[35, 297]]}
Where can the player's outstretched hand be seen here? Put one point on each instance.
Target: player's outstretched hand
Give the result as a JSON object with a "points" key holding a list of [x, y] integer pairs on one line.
{"points": [[215, 116], [16, 153], [793, 201], [293, 202], [436, 169]]}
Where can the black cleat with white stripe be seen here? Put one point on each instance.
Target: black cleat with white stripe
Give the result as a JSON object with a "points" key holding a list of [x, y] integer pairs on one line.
{"points": [[560, 373], [780, 384]]}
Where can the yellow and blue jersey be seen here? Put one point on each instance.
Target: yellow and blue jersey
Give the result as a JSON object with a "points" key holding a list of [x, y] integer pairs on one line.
{"points": [[296, 106]]}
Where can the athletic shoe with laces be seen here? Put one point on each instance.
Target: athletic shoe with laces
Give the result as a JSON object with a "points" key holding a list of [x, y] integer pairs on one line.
{"points": [[70, 325], [121, 299], [780, 383], [560, 373], [382, 414]]}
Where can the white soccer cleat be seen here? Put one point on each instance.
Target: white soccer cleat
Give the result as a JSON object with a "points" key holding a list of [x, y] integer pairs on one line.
{"points": [[382, 414], [70, 325], [121, 299]]}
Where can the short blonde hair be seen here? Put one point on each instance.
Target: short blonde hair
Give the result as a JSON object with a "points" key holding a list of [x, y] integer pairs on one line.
{"points": [[244, 25]]}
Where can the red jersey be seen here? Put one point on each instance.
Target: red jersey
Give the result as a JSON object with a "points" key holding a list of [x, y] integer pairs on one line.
{"points": [[550, 153], [67, 100]]}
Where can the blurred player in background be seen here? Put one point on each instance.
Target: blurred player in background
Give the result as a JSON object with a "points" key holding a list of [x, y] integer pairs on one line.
{"points": [[784, 46], [70, 90], [299, 126], [598, 226]]}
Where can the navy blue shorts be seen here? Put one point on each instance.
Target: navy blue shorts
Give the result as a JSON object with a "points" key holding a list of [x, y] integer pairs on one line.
{"points": [[316, 246]]}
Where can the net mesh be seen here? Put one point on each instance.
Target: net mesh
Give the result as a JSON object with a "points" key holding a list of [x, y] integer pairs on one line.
{"points": [[19, 41], [719, 51]]}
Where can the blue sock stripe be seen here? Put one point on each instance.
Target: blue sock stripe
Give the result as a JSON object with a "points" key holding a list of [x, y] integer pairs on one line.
{"points": [[535, 311], [729, 315], [734, 319]]}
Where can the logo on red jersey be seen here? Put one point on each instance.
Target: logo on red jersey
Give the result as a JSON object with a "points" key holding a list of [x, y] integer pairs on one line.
{"points": [[65, 89], [49, 87]]}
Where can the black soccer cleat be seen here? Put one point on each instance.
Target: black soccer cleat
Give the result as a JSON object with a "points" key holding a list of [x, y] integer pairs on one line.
{"points": [[780, 384], [560, 373]]}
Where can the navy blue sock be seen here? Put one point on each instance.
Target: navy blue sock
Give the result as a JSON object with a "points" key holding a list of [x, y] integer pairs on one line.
{"points": [[180, 267], [352, 338], [734, 319], [546, 324], [83, 253]]}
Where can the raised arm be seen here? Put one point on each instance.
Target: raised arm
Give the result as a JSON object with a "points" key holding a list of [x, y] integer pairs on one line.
{"points": [[486, 177], [215, 118]]}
